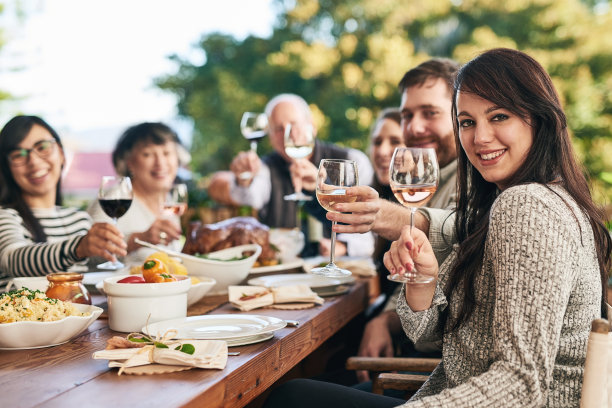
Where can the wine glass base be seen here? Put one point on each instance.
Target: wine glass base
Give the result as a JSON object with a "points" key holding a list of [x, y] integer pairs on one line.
{"points": [[113, 266], [410, 278], [297, 197], [331, 271]]}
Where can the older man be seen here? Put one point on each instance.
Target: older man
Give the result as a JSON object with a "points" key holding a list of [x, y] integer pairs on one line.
{"points": [[277, 175]]}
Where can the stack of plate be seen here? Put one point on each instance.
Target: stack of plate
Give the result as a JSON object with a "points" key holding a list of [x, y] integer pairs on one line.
{"points": [[235, 329], [322, 285]]}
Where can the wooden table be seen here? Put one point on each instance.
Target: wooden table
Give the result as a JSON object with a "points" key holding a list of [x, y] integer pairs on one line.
{"points": [[67, 376]]}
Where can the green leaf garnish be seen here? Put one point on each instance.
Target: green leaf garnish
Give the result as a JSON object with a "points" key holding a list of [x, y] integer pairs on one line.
{"points": [[186, 348]]}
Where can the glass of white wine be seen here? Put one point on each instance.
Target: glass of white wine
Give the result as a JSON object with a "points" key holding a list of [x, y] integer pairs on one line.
{"points": [[414, 175], [299, 143], [334, 177], [254, 126], [175, 202]]}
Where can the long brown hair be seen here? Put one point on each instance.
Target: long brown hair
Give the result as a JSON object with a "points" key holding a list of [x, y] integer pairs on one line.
{"points": [[513, 80]]}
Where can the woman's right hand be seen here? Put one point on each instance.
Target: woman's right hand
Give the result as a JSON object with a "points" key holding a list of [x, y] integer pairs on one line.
{"points": [[412, 251], [103, 240], [162, 231]]}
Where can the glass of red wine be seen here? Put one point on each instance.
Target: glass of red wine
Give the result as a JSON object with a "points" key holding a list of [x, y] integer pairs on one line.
{"points": [[115, 197], [413, 177]]}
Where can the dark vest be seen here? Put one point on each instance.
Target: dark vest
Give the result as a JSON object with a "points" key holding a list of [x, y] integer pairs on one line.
{"points": [[279, 213]]}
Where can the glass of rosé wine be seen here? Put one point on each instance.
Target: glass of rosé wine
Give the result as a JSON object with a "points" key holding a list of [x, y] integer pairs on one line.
{"points": [[414, 174], [175, 202], [334, 177]]}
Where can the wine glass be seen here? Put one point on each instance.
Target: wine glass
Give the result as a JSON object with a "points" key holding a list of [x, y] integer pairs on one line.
{"points": [[254, 127], [299, 142], [115, 197], [334, 177], [176, 200], [414, 174]]}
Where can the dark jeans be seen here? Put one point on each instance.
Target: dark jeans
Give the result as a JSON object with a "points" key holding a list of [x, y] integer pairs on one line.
{"points": [[304, 393]]}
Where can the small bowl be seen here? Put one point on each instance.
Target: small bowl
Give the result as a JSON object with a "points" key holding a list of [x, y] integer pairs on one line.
{"points": [[221, 268], [132, 305], [198, 290]]}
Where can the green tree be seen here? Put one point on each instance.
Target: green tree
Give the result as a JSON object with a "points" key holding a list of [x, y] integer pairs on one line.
{"points": [[346, 58]]}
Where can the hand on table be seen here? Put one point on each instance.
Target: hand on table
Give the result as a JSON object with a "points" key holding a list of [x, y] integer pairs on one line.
{"points": [[245, 162], [325, 248], [162, 231], [376, 342], [303, 175], [103, 240], [359, 215]]}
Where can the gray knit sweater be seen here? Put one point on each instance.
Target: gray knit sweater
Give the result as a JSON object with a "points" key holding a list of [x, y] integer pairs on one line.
{"points": [[537, 292]]}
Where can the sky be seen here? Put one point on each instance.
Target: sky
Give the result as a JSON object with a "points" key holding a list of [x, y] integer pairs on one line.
{"points": [[87, 66]]}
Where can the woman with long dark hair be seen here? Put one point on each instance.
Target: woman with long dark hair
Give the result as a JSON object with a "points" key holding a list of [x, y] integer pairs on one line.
{"points": [[37, 235], [513, 303]]}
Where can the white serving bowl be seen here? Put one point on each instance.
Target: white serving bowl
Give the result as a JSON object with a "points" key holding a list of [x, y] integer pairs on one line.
{"points": [[196, 291], [225, 272], [25, 335], [132, 305], [33, 283]]}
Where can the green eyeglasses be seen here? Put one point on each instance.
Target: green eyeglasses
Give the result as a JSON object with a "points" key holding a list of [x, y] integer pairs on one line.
{"points": [[43, 148]]}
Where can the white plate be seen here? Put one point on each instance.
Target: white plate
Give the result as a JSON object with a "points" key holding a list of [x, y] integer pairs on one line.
{"points": [[285, 266], [243, 341], [92, 278], [28, 335], [215, 327], [314, 281]]}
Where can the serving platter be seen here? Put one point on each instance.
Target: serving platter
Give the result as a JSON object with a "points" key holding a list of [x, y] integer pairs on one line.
{"points": [[216, 327], [285, 266], [313, 281]]}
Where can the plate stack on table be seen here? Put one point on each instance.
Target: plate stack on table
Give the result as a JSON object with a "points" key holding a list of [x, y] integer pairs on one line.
{"points": [[321, 285], [235, 329]]}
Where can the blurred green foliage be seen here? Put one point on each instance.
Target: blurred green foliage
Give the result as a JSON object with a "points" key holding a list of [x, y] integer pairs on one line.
{"points": [[346, 58]]}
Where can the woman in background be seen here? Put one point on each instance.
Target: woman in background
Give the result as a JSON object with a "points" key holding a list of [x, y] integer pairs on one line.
{"points": [[513, 303], [37, 235], [150, 154]]}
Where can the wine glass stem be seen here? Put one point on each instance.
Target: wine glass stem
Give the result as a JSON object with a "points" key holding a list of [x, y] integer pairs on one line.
{"points": [[332, 254], [412, 211], [254, 146]]}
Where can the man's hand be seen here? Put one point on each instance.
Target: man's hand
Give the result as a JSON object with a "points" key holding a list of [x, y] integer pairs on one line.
{"points": [[377, 340], [244, 166], [325, 248], [359, 215], [303, 175]]}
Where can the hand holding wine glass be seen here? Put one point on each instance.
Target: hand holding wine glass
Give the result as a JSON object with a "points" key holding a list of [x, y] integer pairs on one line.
{"points": [[254, 127], [115, 197], [334, 177], [414, 175], [299, 143], [176, 200]]}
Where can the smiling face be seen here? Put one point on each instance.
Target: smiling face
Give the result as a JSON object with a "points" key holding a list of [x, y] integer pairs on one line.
{"points": [[387, 135], [153, 167], [426, 118], [495, 140], [38, 177]]}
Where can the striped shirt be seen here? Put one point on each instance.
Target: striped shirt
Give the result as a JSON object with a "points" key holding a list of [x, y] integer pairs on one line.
{"points": [[20, 256]]}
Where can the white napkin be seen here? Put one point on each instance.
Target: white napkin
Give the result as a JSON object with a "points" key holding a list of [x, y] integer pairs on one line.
{"points": [[296, 294], [268, 296], [207, 354], [263, 297]]}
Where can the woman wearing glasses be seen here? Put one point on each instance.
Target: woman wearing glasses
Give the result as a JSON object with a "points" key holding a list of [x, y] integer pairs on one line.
{"points": [[37, 235]]}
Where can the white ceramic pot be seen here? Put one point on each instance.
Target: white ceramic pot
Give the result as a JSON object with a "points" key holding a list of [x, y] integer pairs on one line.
{"points": [[132, 305]]}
